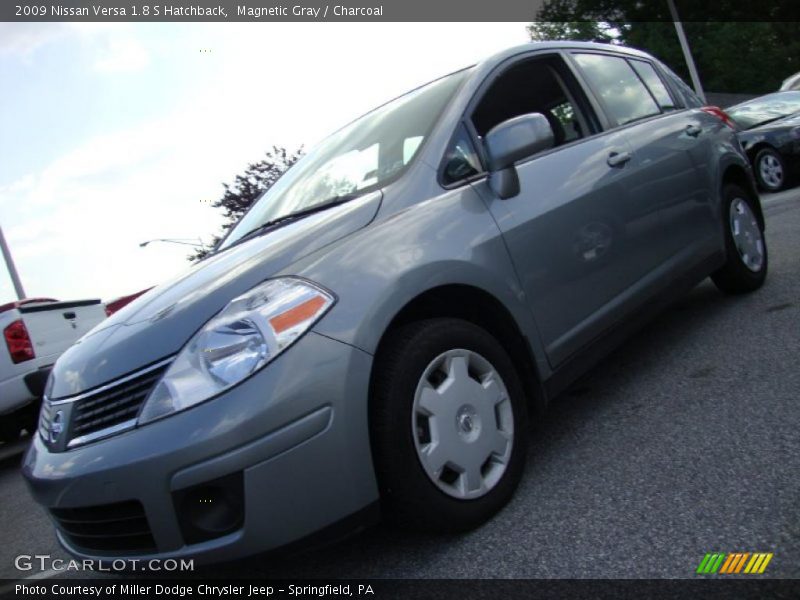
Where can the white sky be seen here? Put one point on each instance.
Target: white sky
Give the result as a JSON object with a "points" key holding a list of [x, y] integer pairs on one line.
{"points": [[113, 134]]}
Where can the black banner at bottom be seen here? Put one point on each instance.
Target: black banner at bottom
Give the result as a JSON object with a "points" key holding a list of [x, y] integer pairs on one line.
{"points": [[381, 589]]}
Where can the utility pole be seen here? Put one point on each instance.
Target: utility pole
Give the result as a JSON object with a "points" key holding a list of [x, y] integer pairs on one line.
{"points": [[12, 269], [687, 53]]}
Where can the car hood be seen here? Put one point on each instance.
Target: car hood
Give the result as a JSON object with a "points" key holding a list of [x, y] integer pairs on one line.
{"points": [[784, 123], [157, 324]]}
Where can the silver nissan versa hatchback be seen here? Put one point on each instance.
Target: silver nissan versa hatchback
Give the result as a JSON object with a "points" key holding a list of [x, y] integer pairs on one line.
{"points": [[373, 334]]}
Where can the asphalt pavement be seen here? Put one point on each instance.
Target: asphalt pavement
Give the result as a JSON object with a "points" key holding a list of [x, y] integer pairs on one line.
{"points": [[684, 441]]}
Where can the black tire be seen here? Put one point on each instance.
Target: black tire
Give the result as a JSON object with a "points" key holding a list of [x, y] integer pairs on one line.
{"points": [[735, 277], [409, 497], [769, 154]]}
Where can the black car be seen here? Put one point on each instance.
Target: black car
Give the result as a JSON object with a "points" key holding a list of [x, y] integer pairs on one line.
{"points": [[769, 130]]}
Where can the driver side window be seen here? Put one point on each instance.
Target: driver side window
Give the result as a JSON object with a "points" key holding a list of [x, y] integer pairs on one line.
{"points": [[538, 85]]}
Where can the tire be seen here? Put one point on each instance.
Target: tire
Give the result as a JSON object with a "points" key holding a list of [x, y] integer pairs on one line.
{"points": [[746, 266], [770, 170], [412, 494]]}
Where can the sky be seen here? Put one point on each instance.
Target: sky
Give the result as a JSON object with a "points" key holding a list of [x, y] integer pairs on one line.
{"points": [[114, 134]]}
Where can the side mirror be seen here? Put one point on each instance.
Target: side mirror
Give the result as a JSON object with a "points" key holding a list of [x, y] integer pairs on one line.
{"points": [[511, 141]]}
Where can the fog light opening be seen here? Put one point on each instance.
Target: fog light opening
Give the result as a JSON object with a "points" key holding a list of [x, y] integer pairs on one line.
{"points": [[211, 510]]}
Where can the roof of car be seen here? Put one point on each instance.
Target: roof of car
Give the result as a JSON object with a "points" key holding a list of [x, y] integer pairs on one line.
{"points": [[791, 83], [559, 45]]}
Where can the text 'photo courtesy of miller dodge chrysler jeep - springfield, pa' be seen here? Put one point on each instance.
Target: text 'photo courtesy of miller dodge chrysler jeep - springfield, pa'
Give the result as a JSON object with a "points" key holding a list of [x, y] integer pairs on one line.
{"points": [[373, 335]]}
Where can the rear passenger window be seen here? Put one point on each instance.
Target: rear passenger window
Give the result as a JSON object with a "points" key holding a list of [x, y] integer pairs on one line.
{"points": [[621, 90], [653, 82]]}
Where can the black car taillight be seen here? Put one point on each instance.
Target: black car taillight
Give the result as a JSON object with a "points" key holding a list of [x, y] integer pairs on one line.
{"points": [[19, 342]]}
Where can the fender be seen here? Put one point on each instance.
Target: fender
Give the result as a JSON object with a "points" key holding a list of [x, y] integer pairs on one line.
{"points": [[429, 250]]}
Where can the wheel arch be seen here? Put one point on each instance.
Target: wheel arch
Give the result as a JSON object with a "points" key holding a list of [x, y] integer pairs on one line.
{"points": [[737, 175], [758, 147], [473, 304]]}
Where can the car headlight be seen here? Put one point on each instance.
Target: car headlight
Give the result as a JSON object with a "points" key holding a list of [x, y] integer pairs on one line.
{"points": [[794, 133], [245, 336]]}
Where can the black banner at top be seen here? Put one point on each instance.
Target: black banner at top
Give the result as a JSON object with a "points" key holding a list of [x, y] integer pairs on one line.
{"points": [[394, 10]]}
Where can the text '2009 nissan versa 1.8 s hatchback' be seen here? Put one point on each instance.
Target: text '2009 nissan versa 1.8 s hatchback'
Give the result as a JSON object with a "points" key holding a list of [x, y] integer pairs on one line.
{"points": [[376, 329]]}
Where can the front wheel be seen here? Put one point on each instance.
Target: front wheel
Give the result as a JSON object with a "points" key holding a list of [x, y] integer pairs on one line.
{"points": [[746, 267], [770, 170], [449, 425]]}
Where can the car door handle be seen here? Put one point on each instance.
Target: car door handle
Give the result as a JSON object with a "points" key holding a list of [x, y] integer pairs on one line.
{"points": [[618, 159], [693, 130]]}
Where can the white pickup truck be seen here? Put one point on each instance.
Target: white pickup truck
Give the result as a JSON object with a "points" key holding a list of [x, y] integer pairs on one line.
{"points": [[35, 333]]}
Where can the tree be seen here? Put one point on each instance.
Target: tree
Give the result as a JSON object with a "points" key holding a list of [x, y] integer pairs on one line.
{"points": [[587, 31], [246, 187], [738, 47]]}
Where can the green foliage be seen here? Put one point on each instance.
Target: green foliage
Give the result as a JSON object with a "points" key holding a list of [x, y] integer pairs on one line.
{"points": [[257, 178], [734, 55], [588, 31]]}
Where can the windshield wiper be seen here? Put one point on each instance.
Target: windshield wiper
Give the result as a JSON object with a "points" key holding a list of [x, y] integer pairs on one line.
{"points": [[274, 223]]}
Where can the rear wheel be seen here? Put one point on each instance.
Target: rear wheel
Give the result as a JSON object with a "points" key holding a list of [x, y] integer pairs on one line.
{"points": [[746, 267], [449, 425], [770, 170]]}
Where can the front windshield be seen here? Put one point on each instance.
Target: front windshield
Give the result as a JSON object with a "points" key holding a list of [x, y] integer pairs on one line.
{"points": [[768, 108], [360, 157]]}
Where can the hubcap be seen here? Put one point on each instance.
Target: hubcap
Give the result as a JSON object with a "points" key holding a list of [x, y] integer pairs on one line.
{"points": [[771, 171], [463, 424], [747, 235]]}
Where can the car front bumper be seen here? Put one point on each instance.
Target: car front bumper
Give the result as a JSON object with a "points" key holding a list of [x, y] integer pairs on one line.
{"points": [[296, 434]]}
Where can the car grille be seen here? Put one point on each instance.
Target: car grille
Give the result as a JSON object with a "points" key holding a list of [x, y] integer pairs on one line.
{"points": [[108, 410], [116, 528], [116, 405]]}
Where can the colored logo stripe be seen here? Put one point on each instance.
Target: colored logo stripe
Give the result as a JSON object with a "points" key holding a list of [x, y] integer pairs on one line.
{"points": [[711, 563], [758, 563], [734, 562]]}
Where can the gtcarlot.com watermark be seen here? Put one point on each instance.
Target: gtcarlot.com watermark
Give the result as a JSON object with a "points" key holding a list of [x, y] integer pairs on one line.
{"points": [[44, 562]]}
